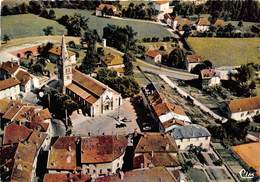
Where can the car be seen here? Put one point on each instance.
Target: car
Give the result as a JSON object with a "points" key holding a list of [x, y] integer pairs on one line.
{"points": [[147, 128], [120, 125]]}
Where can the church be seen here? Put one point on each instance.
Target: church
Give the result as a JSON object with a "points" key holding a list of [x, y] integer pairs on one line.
{"points": [[92, 96]]}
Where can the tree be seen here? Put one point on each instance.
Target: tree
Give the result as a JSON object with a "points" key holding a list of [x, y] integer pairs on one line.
{"points": [[127, 86], [44, 13], [240, 24], [43, 50], [6, 38], [48, 30], [176, 58], [246, 72], [51, 14], [128, 62], [6, 10], [34, 7]]}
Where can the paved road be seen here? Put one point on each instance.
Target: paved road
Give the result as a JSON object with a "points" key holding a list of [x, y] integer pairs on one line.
{"points": [[195, 101], [183, 75]]}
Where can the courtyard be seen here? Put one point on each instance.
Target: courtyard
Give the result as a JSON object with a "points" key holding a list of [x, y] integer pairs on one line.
{"points": [[106, 124]]}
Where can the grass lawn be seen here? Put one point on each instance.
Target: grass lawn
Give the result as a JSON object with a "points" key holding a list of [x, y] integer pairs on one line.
{"points": [[51, 67], [27, 25], [227, 51], [143, 29]]}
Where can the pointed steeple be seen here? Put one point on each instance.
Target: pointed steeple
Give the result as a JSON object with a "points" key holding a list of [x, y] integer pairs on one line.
{"points": [[64, 52]]}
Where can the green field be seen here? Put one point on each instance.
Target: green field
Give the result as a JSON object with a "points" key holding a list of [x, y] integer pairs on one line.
{"points": [[227, 51], [27, 25], [31, 25]]}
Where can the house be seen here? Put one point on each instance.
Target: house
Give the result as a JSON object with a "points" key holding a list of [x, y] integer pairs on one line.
{"points": [[55, 52], [24, 169], [114, 62], [93, 97], [62, 155], [219, 23], [9, 88], [158, 147], [191, 135], [14, 133], [102, 155], [7, 153], [8, 69], [202, 25], [153, 55], [26, 81], [242, 109], [65, 177], [178, 23], [161, 5], [168, 19], [155, 160], [30, 51], [166, 115], [209, 78], [248, 153], [105, 9], [192, 60], [155, 174]]}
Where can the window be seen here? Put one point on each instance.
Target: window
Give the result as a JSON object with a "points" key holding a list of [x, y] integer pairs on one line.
{"points": [[108, 170], [207, 138], [117, 164], [100, 171], [181, 140], [179, 146], [242, 114]]}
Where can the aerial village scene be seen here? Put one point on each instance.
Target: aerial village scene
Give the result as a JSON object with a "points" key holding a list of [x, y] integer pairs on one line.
{"points": [[131, 91]]}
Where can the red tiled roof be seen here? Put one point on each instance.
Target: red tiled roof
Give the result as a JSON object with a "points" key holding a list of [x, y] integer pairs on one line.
{"points": [[108, 6], [154, 174], [62, 155], [13, 133], [152, 53], [23, 77], [88, 83], [203, 22], [207, 73], [57, 51], [8, 83], [61, 177], [246, 104], [161, 2], [9, 67], [33, 50], [219, 23], [101, 149], [194, 58], [156, 142]]}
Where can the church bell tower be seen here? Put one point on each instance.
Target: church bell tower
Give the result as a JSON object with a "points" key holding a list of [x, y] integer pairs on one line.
{"points": [[64, 66]]}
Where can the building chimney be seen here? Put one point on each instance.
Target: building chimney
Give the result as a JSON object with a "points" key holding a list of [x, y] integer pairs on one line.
{"points": [[167, 147], [88, 133], [121, 175]]}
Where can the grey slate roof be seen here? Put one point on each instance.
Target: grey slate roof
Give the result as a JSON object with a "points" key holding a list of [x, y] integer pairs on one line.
{"points": [[190, 131]]}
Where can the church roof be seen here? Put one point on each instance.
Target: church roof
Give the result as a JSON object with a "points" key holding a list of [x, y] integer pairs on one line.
{"points": [[88, 83]]}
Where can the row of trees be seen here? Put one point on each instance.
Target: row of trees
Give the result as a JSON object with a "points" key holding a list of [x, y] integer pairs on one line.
{"points": [[36, 7], [139, 11], [229, 10]]}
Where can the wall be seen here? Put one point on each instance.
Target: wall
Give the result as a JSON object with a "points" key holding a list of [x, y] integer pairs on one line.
{"points": [[10, 92], [94, 169], [202, 28], [184, 144], [240, 116]]}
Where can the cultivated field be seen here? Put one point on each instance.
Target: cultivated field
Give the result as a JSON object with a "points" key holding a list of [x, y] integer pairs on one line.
{"points": [[18, 26], [227, 51], [27, 25]]}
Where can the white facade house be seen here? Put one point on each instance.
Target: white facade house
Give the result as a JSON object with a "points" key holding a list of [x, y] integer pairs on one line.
{"points": [[242, 109], [202, 25], [9, 88], [191, 135], [161, 5], [192, 60], [153, 55], [209, 78]]}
